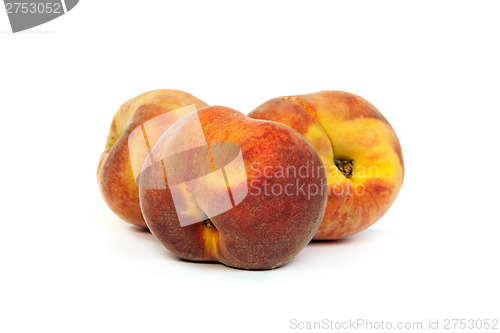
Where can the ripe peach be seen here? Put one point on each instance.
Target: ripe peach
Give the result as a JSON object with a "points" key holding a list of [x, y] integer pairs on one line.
{"points": [[359, 149], [220, 186], [125, 151]]}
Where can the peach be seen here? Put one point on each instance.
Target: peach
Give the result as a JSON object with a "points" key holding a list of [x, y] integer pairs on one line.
{"points": [[220, 186], [359, 149], [125, 151]]}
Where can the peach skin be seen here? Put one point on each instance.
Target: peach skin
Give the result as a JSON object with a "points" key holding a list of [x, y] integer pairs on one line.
{"points": [[359, 149], [220, 186], [125, 151]]}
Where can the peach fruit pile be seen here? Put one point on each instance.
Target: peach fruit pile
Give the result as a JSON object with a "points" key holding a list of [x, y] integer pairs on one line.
{"points": [[212, 184]]}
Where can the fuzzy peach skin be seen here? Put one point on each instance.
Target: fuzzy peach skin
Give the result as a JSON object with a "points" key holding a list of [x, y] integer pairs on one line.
{"points": [[115, 175], [359, 149], [269, 220]]}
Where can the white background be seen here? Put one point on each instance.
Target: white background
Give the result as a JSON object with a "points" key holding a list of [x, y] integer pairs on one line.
{"points": [[69, 265]]}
